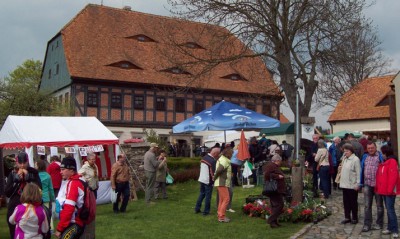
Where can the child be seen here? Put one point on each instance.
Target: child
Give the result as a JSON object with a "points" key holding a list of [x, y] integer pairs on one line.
{"points": [[30, 216], [160, 176]]}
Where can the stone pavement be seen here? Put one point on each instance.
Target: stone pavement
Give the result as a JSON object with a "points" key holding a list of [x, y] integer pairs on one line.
{"points": [[331, 227]]}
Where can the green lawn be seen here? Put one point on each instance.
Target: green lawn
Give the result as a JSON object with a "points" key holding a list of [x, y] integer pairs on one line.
{"points": [[175, 218]]}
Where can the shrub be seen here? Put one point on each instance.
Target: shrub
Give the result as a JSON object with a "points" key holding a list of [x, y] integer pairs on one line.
{"points": [[178, 164], [184, 169], [186, 175]]}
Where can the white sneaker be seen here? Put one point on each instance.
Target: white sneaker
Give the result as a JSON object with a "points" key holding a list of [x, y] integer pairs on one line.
{"points": [[230, 210], [395, 235]]}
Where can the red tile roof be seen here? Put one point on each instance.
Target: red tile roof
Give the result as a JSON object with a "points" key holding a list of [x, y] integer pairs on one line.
{"points": [[361, 102], [283, 119], [100, 36]]}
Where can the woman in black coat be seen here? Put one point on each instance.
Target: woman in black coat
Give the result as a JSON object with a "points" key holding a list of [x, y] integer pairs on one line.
{"points": [[272, 171], [16, 182]]}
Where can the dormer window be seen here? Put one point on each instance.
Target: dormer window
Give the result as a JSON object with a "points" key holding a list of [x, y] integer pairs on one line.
{"points": [[193, 45], [234, 77], [142, 38], [125, 65], [176, 70]]}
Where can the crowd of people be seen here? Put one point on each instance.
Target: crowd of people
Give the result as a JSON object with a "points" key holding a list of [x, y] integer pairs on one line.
{"points": [[36, 192], [356, 165], [348, 164], [219, 168]]}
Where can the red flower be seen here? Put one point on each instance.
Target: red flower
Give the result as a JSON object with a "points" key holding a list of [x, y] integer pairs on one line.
{"points": [[306, 212]]}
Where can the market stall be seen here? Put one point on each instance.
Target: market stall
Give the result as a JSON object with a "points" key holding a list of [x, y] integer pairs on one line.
{"points": [[62, 134]]}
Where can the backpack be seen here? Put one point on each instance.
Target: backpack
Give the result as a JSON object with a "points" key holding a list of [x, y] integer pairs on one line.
{"points": [[47, 212], [88, 210]]}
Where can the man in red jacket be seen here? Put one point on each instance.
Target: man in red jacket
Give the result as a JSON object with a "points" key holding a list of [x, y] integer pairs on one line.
{"points": [[55, 173], [69, 201]]}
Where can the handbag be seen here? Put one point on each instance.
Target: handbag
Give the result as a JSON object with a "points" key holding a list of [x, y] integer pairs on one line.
{"points": [[339, 173], [169, 179], [320, 162], [270, 187], [113, 196]]}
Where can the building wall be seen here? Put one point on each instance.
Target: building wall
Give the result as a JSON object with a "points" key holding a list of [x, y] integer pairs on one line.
{"points": [[396, 82], [55, 58], [64, 95], [362, 125], [149, 116]]}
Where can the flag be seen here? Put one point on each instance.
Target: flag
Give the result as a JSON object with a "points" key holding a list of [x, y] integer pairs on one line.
{"points": [[247, 169], [243, 149]]}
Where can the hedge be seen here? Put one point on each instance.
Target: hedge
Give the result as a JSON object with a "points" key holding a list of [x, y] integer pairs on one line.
{"points": [[184, 169]]}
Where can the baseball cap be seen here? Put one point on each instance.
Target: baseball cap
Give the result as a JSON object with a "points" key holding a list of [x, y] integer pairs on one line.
{"points": [[22, 157], [153, 145], [68, 163]]}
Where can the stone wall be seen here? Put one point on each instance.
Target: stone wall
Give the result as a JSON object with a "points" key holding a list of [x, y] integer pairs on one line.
{"points": [[134, 154]]}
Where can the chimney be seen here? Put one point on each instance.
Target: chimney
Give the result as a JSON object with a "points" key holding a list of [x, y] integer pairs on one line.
{"points": [[127, 8]]}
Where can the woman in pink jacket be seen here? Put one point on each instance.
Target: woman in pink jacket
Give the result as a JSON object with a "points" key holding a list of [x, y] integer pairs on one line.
{"points": [[387, 184]]}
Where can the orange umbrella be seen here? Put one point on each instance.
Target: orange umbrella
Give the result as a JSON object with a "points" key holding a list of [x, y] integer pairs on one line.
{"points": [[243, 149]]}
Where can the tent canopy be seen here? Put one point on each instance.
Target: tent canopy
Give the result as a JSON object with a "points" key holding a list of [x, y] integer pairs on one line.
{"points": [[27, 131], [341, 134], [286, 128], [225, 116]]}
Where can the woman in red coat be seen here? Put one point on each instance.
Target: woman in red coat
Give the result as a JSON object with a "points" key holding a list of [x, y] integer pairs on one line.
{"points": [[387, 185]]}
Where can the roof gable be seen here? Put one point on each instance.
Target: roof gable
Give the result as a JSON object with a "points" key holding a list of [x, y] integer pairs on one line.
{"points": [[99, 36], [364, 101]]}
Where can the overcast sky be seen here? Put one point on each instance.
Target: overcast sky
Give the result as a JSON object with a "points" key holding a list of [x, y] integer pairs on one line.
{"points": [[27, 26]]}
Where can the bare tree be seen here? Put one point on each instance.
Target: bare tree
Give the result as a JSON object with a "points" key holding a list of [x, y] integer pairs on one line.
{"points": [[352, 58], [294, 37]]}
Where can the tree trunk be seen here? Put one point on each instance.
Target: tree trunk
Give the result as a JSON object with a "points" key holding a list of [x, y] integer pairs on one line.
{"points": [[297, 184]]}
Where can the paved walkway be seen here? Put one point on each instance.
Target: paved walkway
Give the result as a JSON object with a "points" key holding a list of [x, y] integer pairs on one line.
{"points": [[331, 227]]}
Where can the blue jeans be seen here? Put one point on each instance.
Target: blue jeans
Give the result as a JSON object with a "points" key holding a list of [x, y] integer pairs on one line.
{"points": [[122, 188], [315, 178], [325, 180], [205, 192], [369, 193], [391, 213]]}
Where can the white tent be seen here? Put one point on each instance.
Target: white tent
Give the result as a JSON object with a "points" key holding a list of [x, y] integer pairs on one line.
{"points": [[28, 131], [230, 135]]}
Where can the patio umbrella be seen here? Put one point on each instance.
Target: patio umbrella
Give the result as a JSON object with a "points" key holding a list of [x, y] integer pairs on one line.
{"points": [[341, 134], [243, 149], [225, 116]]}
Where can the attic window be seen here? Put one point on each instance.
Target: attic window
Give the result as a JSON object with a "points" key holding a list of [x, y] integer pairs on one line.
{"points": [[193, 45], [177, 71], [125, 65], [142, 38], [234, 77]]}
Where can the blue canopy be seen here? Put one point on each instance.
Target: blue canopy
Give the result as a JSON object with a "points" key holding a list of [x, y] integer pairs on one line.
{"points": [[225, 116]]}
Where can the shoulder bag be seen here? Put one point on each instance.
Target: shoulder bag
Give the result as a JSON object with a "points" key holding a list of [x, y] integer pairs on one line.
{"points": [[320, 162], [270, 187], [339, 173]]}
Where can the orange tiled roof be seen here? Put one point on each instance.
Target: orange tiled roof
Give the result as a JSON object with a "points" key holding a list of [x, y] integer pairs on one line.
{"points": [[283, 119], [361, 102], [99, 36]]}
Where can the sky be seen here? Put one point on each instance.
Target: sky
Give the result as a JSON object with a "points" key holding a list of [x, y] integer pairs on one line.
{"points": [[27, 26]]}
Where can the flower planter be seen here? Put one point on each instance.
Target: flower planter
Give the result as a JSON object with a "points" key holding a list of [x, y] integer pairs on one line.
{"points": [[253, 198]]}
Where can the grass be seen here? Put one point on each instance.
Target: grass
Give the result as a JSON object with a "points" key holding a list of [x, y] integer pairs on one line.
{"points": [[175, 218]]}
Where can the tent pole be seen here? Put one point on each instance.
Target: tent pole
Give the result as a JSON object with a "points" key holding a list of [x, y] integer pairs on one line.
{"points": [[1, 174], [225, 136]]}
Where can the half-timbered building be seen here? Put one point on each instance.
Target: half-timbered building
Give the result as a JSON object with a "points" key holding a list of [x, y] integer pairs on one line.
{"points": [[135, 70]]}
